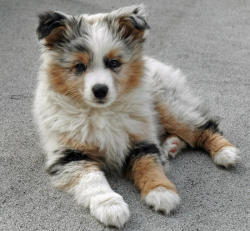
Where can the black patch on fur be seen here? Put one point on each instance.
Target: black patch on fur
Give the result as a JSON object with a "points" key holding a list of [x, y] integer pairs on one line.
{"points": [[72, 155], [139, 150], [145, 148], [212, 125], [48, 21], [69, 155], [82, 48], [136, 10]]}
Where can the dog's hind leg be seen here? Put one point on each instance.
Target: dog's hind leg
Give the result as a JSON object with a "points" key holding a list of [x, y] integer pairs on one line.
{"points": [[206, 136], [182, 114]]}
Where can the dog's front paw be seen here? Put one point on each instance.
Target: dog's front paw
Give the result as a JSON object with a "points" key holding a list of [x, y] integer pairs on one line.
{"points": [[227, 157], [162, 199], [110, 209]]}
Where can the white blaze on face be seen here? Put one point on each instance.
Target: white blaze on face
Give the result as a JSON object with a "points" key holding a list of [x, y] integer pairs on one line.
{"points": [[99, 76], [100, 41]]}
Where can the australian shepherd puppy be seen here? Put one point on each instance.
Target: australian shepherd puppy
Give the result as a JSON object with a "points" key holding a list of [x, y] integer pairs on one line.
{"points": [[101, 105]]}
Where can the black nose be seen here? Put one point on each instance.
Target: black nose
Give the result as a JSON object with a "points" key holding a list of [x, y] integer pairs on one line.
{"points": [[100, 91]]}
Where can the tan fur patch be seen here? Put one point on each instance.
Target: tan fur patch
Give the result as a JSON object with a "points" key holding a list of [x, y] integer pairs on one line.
{"points": [[94, 153], [61, 83], [206, 139], [147, 175], [64, 80], [211, 142], [133, 76], [82, 57], [54, 36], [129, 29], [136, 138], [174, 127], [113, 54]]}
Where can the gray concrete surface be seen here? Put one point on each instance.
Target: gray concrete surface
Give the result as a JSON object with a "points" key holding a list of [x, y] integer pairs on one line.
{"points": [[209, 41]]}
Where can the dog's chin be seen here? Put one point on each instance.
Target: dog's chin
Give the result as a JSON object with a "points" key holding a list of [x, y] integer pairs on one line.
{"points": [[99, 103]]}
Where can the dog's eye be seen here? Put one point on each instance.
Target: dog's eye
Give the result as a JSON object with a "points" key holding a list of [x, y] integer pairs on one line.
{"points": [[112, 64], [80, 68]]}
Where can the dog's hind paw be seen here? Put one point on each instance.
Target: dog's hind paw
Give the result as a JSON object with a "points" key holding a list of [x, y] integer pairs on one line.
{"points": [[173, 145]]}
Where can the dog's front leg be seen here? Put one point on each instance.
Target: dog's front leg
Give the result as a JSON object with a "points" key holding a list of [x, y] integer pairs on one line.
{"points": [[145, 169], [74, 172]]}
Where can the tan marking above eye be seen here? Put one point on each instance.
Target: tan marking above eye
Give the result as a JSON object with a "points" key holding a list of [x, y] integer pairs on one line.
{"points": [[133, 76], [60, 82], [114, 54], [80, 58]]}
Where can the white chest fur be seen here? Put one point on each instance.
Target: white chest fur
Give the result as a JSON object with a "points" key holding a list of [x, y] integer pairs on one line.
{"points": [[108, 129]]}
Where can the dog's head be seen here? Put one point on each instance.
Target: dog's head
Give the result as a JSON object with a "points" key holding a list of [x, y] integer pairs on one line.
{"points": [[94, 58]]}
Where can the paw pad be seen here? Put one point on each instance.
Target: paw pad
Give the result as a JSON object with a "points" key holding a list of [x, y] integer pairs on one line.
{"points": [[173, 145]]}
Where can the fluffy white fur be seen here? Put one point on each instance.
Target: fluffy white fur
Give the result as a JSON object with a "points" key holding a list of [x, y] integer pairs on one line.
{"points": [[110, 209], [107, 128], [162, 199], [105, 205], [227, 157], [169, 85], [110, 131]]}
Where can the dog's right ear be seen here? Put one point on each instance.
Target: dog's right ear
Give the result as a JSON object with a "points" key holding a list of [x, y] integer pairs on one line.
{"points": [[132, 22], [51, 27]]}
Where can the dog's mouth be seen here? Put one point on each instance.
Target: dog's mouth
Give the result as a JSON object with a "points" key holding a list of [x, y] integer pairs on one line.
{"points": [[99, 103]]}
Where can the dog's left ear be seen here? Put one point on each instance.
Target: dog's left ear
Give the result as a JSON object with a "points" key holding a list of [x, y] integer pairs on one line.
{"points": [[51, 27], [132, 22]]}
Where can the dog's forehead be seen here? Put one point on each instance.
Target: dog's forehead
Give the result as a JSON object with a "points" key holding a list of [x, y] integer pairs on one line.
{"points": [[94, 18], [100, 39], [95, 36]]}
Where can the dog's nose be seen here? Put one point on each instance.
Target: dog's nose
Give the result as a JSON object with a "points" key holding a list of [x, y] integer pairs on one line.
{"points": [[100, 91]]}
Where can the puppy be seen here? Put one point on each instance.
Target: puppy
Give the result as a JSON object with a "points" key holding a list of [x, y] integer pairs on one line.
{"points": [[101, 105]]}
